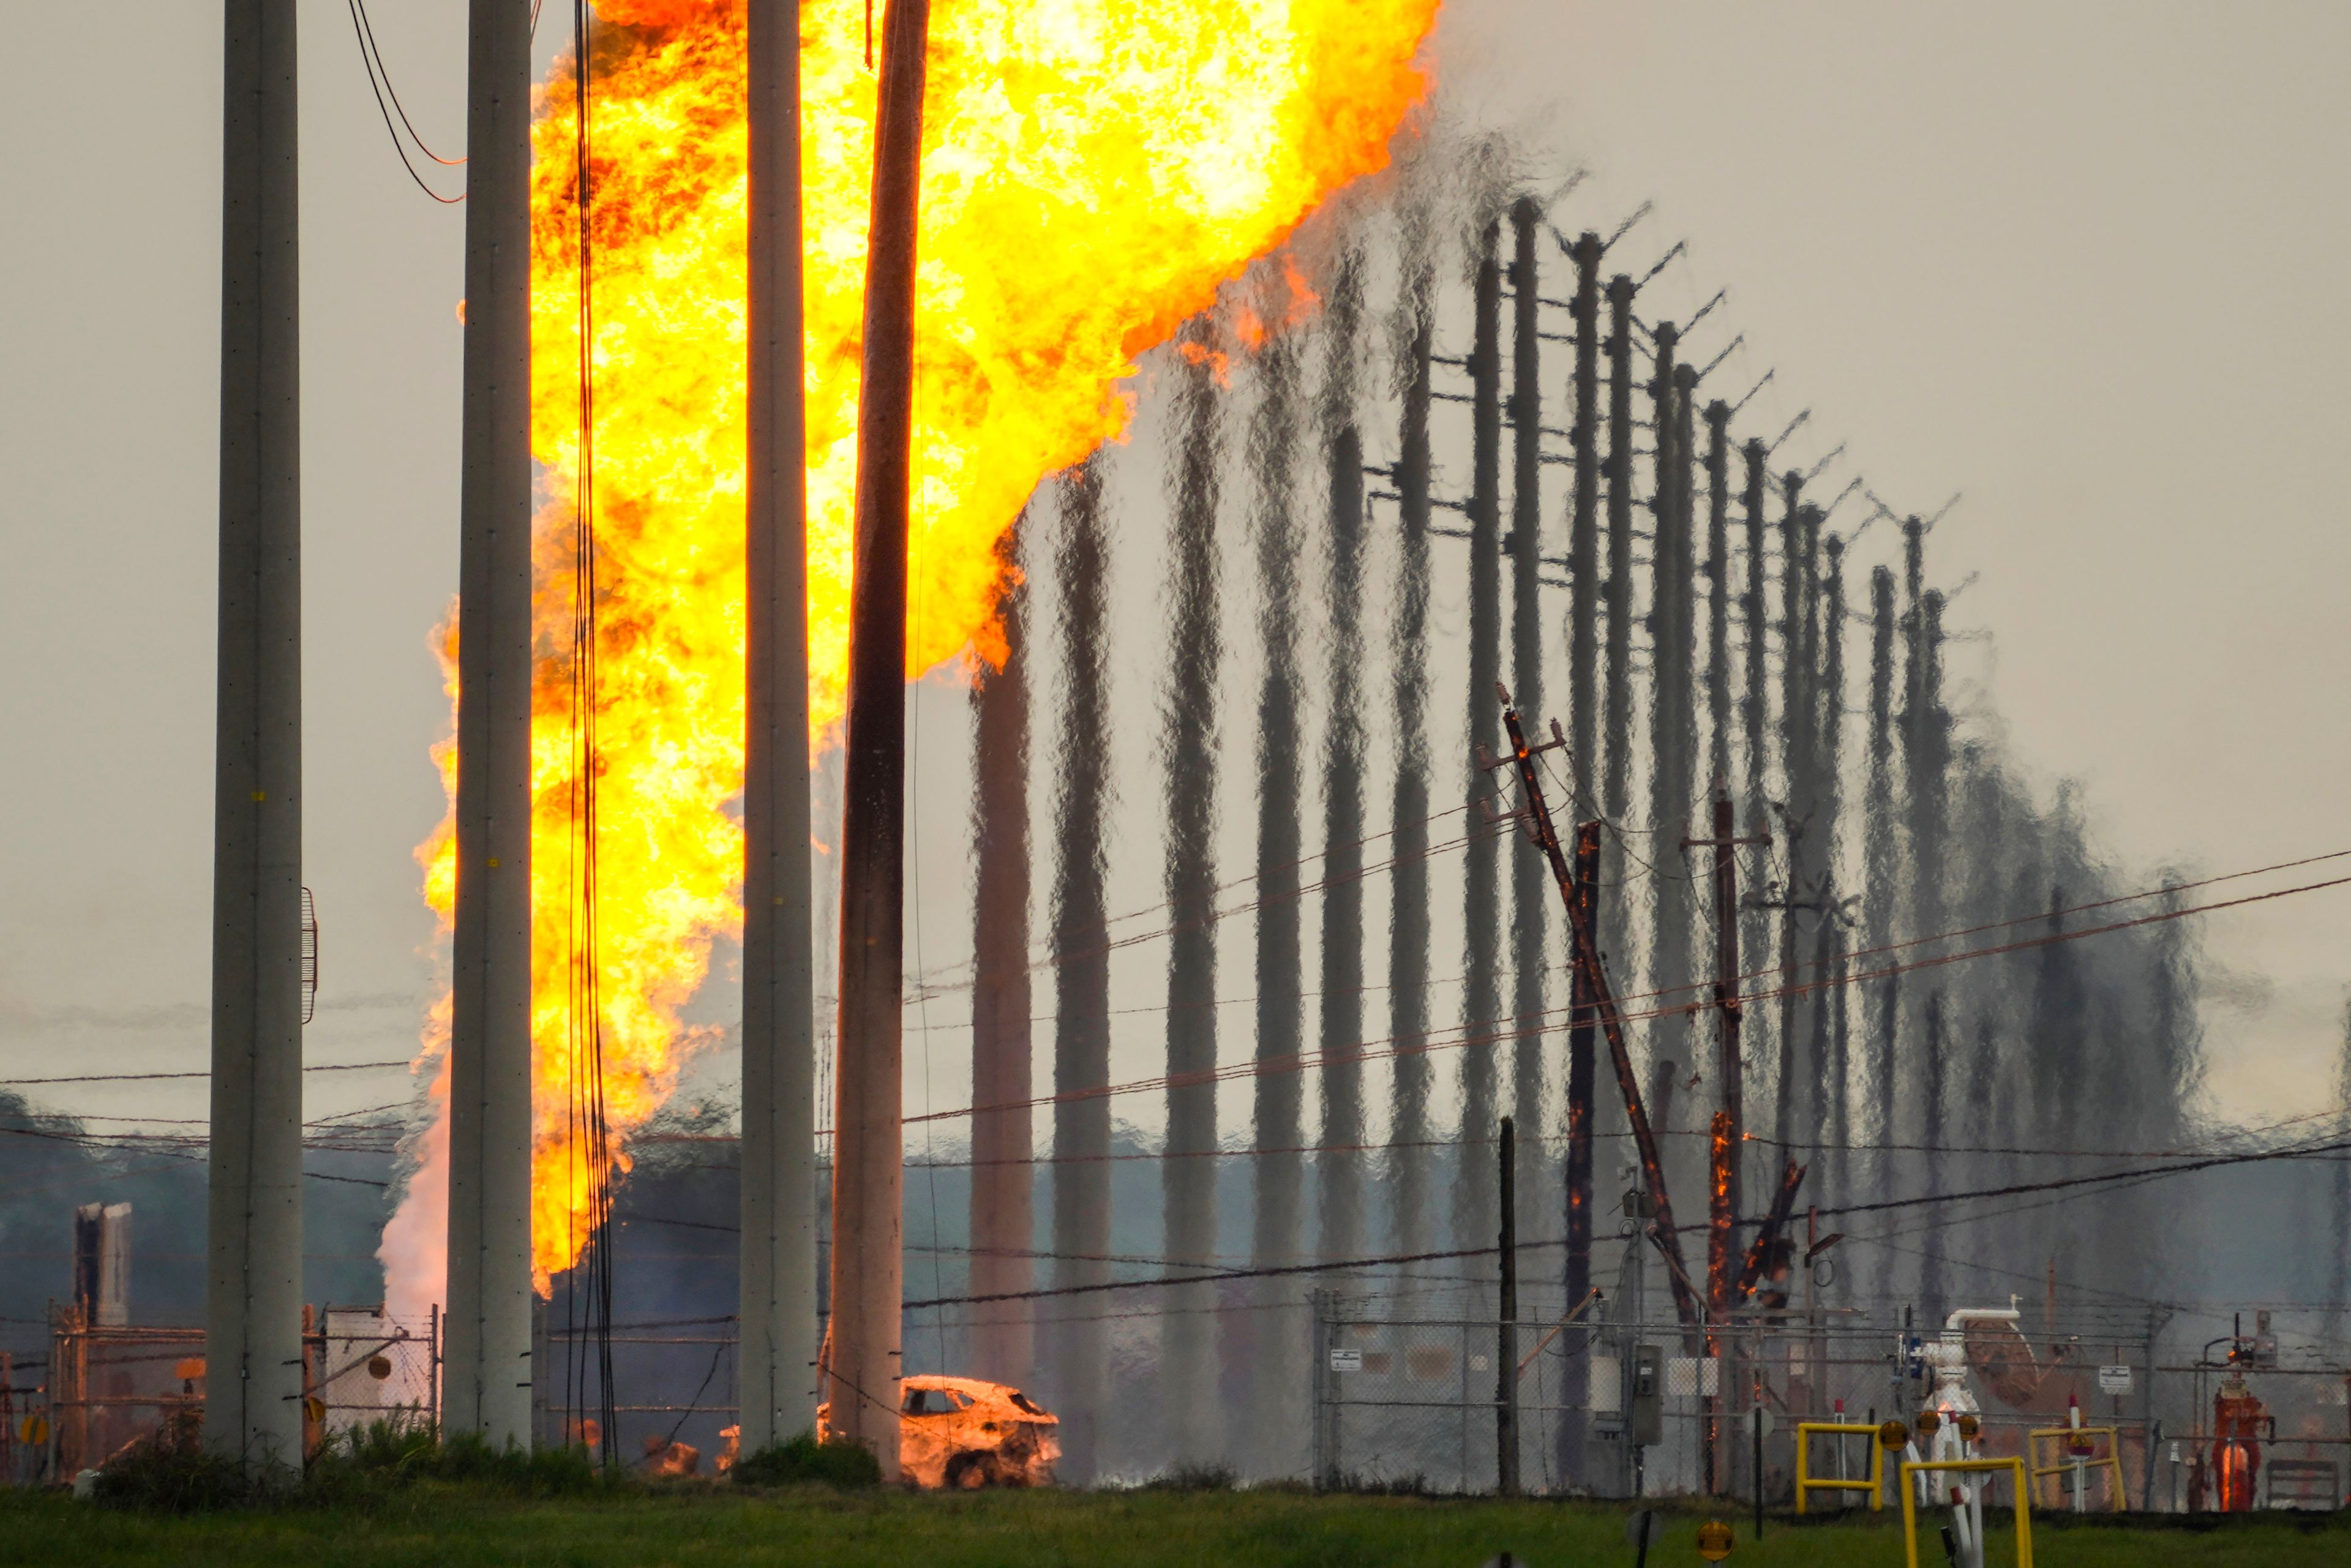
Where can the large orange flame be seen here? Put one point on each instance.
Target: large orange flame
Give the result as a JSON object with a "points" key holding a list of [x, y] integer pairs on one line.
{"points": [[1093, 170]]}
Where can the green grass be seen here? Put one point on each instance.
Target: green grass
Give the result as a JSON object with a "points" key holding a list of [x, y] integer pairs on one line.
{"points": [[435, 1524]]}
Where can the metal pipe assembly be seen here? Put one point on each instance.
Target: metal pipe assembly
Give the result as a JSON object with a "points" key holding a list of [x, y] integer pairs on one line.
{"points": [[488, 1372], [252, 1301]]}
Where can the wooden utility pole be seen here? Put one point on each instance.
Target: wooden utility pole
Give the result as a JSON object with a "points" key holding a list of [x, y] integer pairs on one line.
{"points": [[863, 1370], [1730, 1119], [1580, 1021]]}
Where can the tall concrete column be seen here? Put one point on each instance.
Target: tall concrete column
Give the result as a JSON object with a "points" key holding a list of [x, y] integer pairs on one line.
{"points": [[1409, 881], [864, 1367], [777, 1359], [1583, 534], [1003, 1216], [1530, 895], [1081, 937], [252, 1301], [1482, 997], [1188, 754], [487, 1365]]}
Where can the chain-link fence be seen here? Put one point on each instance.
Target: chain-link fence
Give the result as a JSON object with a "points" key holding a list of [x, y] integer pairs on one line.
{"points": [[366, 1367], [1624, 1409]]}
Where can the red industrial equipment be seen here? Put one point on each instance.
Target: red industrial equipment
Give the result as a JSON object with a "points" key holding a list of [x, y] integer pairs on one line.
{"points": [[2237, 1418]]}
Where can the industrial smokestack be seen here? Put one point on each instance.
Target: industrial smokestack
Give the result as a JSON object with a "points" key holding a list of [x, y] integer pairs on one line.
{"points": [[1002, 1218], [487, 1375], [778, 1347], [868, 1171], [1188, 752]]}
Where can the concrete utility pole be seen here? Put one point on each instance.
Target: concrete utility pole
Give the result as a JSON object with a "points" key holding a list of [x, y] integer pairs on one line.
{"points": [[1408, 882], [1832, 1092], [1080, 951], [1615, 791], [1524, 547], [1755, 707], [1188, 755], [1881, 868], [1275, 1112], [1339, 1170], [1481, 999], [869, 1173], [253, 1298], [1795, 789], [1718, 589], [486, 1362], [1002, 1186], [1672, 722], [1582, 540], [777, 1376], [1506, 1361]]}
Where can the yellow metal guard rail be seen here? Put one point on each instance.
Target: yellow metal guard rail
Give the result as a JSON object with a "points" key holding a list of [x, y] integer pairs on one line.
{"points": [[2023, 1502], [1807, 1484], [2111, 1461]]}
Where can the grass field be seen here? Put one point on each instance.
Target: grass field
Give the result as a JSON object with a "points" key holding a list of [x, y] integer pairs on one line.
{"points": [[432, 1524]]}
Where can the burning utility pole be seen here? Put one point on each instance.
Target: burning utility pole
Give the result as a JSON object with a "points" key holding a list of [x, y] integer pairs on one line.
{"points": [[1584, 948], [776, 1375], [487, 1375], [252, 1301], [868, 1260]]}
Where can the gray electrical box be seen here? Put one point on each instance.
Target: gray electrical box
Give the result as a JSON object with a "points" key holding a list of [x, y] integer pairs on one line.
{"points": [[1645, 1409]]}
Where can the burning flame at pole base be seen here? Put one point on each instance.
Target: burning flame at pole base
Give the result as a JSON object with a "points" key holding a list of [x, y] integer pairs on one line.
{"points": [[1092, 171]]}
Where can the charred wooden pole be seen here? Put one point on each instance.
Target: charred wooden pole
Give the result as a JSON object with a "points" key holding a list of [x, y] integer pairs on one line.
{"points": [[1524, 545], [1003, 1219], [1481, 1001], [1080, 947], [487, 1361], [1188, 753], [1339, 1169], [868, 1168], [777, 1376], [1583, 542], [1276, 1111], [1730, 1127], [1587, 955], [1581, 1022], [1408, 880], [253, 1298]]}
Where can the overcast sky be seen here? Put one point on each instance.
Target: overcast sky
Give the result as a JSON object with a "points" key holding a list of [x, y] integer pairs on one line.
{"points": [[2082, 262]]}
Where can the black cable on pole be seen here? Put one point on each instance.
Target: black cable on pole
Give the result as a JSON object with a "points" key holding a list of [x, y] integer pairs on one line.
{"points": [[371, 64]]}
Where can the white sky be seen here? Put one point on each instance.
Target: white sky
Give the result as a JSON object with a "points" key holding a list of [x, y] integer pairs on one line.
{"points": [[2082, 262]]}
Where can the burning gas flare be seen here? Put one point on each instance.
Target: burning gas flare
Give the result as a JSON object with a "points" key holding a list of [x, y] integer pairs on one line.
{"points": [[1092, 171]]}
